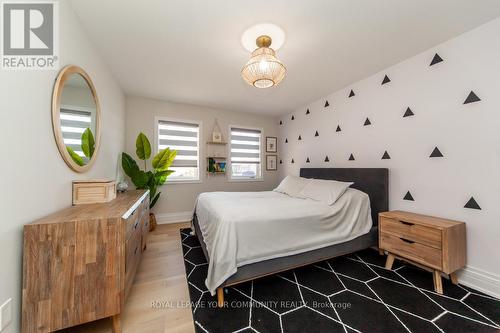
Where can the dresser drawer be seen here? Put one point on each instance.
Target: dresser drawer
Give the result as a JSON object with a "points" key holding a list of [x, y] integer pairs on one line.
{"points": [[133, 222], [409, 249], [411, 231]]}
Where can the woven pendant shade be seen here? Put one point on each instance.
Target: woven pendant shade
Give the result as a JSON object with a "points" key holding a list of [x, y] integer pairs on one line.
{"points": [[263, 70]]}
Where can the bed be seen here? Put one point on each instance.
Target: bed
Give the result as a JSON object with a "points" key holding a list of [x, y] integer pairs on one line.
{"points": [[293, 233]]}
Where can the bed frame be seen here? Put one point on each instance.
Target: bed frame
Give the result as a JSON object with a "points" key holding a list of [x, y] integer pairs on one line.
{"points": [[373, 181]]}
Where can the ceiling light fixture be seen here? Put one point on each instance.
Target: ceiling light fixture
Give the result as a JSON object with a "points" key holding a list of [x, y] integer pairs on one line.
{"points": [[263, 70]]}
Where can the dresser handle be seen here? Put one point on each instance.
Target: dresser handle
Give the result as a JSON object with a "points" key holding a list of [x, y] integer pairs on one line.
{"points": [[136, 224], [407, 223], [407, 240], [135, 252]]}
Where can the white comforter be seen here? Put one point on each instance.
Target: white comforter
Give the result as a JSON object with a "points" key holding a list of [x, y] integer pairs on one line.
{"points": [[240, 228]]}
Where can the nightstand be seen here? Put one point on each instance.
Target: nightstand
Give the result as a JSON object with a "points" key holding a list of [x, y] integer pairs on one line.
{"points": [[432, 243]]}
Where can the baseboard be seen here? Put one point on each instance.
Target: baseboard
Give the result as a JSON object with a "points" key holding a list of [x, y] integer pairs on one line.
{"points": [[478, 279], [176, 217]]}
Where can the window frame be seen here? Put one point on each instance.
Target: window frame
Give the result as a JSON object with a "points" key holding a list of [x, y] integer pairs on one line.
{"points": [[171, 181], [260, 178]]}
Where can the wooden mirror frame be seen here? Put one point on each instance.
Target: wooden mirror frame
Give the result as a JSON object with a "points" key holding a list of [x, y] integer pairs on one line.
{"points": [[62, 77]]}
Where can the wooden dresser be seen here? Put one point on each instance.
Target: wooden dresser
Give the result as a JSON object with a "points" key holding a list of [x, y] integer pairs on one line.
{"points": [[79, 263], [430, 242]]}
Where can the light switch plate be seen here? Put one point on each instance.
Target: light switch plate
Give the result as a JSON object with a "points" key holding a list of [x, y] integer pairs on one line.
{"points": [[5, 314]]}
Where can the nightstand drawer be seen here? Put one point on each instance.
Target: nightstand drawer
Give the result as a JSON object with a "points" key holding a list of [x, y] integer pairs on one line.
{"points": [[411, 231], [411, 250]]}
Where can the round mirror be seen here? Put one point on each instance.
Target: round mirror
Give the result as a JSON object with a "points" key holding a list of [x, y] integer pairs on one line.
{"points": [[75, 118]]}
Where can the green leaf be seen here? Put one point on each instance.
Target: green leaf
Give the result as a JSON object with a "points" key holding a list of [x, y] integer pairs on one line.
{"points": [[88, 143], [155, 199], [161, 176], [129, 165], [140, 179], [142, 147], [75, 157], [164, 159]]}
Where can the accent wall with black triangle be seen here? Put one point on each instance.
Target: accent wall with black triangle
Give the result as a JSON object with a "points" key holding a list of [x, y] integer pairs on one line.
{"points": [[433, 120]]}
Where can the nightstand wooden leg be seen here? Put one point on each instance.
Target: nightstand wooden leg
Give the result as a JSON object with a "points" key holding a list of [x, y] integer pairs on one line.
{"points": [[453, 278], [390, 261], [116, 323], [438, 285], [220, 297], [381, 252]]}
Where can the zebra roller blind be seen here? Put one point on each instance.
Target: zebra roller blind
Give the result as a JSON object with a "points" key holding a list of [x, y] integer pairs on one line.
{"points": [[245, 146], [73, 124], [183, 137]]}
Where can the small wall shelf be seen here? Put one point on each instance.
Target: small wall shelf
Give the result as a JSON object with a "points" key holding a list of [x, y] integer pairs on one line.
{"points": [[216, 143]]}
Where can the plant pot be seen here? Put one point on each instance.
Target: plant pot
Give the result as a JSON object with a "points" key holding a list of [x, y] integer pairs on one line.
{"points": [[152, 222]]}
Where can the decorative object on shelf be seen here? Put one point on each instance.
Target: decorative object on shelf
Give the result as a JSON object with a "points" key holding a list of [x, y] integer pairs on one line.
{"points": [[216, 165], [216, 133], [263, 70], [271, 144], [93, 191], [271, 162], [122, 186], [151, 179]]}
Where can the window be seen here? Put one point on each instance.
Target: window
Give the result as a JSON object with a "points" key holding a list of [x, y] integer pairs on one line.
{"points": [[245, 153], [185, 138], [73, 124]]}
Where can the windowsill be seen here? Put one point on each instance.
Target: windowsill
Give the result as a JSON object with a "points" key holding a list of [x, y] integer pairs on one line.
{"points": [[236, 180]]}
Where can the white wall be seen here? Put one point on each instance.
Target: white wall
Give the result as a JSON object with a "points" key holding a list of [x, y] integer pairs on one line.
{"points": [[177, 200], [35, 179], [467, 135]]}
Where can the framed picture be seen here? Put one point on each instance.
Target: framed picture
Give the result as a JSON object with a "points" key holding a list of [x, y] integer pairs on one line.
{"points": [[271, 162], [216, 137], [271, 144]]}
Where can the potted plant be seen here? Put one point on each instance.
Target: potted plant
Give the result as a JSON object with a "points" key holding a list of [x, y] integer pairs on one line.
{"points": [[144, 179]]}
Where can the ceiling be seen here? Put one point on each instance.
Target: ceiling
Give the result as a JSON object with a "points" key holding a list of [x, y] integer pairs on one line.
{"points": [[190, 51]]}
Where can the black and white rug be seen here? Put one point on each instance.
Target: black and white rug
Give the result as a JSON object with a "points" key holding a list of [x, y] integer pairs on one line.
{"points": [[353, 293]]}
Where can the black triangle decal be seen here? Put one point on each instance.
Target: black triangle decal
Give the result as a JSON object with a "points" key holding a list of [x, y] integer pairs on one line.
{"points": [[293, 117], [472, 204], [307, 161], [293, 161], [281, 161], [352, 94], [472, 98], [436, 153], [338, 129], [437, 59], [408, 196], [316, 134], [327, 159], [386, 80], [367, 122], [281, 122], [300, 138], [286, 140], [307, 112], [351, 158], [327, 104], [408, 113], [386, 156]]}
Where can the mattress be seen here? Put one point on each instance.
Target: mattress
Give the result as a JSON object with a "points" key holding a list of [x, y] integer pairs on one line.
{"points": [[241, 228]]}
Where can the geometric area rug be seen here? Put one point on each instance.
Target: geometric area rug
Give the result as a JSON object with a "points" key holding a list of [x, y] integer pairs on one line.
{"points": [[352, 293]]}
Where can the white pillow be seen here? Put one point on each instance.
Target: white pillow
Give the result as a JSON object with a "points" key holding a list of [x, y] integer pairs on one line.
{"points": [[326, 191], [292, 185]]}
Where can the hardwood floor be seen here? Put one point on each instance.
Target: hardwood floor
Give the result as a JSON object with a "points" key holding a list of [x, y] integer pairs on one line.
{"points": [[160, 278]]}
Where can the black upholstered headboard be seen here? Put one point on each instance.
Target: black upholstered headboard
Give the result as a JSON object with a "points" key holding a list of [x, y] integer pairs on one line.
{"points": [[372, 181]]}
